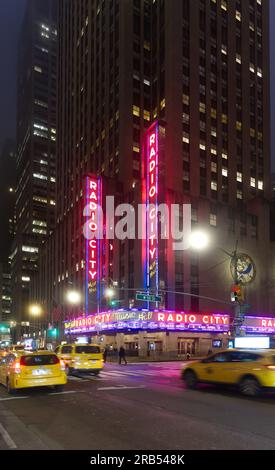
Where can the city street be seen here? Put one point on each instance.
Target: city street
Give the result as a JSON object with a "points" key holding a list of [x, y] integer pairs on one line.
{"points": [[138, 406]]}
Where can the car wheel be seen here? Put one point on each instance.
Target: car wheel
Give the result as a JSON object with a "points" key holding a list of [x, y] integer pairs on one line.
{"points": [[11, 391], [250, 387], [96, 373], [190, 379], [59, 388]]}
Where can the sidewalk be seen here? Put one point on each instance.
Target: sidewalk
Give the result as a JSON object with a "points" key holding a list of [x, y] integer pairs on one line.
{"points": [[150, 359]]}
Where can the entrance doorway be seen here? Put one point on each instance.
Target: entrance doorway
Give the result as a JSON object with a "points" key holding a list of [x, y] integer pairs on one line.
{"points": [[154, 348], [186, 346]]}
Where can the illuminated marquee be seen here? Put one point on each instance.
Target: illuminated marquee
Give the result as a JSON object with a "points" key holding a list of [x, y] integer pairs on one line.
{"points": [[151, 168], [259, 325], [93, 201], [146, 319]]}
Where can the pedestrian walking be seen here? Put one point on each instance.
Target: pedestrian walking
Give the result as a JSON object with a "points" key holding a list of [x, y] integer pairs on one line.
{"points": [[122, 355], [105, 354]]}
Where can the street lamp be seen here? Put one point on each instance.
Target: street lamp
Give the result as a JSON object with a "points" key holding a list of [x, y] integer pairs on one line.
{"points": [[73, 297], [35, 310], [199, 240], [109, 293]]}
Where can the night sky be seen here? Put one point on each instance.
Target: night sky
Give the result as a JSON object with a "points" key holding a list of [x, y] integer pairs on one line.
{"points": [[11, 14]]}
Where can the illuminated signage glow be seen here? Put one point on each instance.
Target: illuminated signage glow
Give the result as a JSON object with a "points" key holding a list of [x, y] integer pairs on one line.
{"points": [[93, 201], [146, 319], [151, 170]]}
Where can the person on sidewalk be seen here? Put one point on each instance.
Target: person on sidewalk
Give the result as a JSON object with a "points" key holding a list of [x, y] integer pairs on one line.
{"points": [[122, 355], [105, 354]]}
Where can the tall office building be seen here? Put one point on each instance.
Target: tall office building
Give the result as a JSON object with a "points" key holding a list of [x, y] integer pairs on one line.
{"points": [[36, 146], [201, 68], [7, 198]]}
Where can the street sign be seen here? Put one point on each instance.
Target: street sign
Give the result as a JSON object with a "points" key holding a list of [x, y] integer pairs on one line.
{"points": [[148, 298]]}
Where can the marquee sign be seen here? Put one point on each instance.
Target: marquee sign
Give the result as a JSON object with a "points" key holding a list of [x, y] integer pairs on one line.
{"points": [[263, 325], [151, 320], [93, 250]]}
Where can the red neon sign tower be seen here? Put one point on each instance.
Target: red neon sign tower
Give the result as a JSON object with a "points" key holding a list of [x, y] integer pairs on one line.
{"points": [[151, 166], [93, 204]]}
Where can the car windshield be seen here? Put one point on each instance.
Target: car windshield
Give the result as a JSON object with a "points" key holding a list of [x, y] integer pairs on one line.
{"points": [[39, 360], [87, 350]]}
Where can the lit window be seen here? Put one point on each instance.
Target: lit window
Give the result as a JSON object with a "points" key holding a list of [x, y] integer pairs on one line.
{"points": [[38, 69], [40, 223], [214, 185], [239, 177], [261, 185], [225, 172], [213, 220], [146, 115], [39, 231], [214, 167], [39, 176], [26, 279], [253, 182], [238, 16], [30, 249], [136, 111], [239, 194]]}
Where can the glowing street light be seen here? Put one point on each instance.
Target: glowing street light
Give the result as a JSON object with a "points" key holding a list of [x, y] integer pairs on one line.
{"points": [[35, 310], [109, 293], [199, 240], [73, 297]]}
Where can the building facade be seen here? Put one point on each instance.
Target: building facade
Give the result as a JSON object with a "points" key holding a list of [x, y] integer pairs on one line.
{"points": [[36, 146], [201, 69], [7, 199]]}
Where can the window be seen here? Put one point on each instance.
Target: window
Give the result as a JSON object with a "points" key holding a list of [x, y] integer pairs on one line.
{"points": [[66, 350], [87, 350]]}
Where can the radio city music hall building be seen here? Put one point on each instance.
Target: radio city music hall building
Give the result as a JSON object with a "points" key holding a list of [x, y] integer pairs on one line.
{"points": [[197, 75]]}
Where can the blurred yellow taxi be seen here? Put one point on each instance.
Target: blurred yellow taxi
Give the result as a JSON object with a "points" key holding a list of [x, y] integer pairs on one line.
{"points": [[251, 371], [25, 369], [81, 357]]}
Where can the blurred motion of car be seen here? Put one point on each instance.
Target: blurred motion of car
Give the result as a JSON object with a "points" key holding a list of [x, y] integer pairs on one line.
{"points": [[16, 347], [251, 371], [81, 357], [25, 369]]}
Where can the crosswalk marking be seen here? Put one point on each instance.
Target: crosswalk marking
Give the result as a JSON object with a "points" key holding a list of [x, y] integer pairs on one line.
{"points": [[123, 373]]}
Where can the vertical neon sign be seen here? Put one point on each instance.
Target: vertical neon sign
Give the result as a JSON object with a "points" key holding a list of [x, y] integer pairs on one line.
{"points": [[93, 242], [152, 168]]}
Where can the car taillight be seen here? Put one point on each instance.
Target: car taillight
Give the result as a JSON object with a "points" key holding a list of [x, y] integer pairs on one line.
{"points": [[270, 366], [63, 365], [17, 367]]}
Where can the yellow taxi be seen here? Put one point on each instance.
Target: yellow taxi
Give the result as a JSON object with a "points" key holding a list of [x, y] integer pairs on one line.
{"points": [[251, 371], [25, 369], [81, 357]]}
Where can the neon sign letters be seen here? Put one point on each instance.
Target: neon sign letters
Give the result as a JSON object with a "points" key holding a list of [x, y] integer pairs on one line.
{"points": [[143, 319], [152, 166], [93, 201]]}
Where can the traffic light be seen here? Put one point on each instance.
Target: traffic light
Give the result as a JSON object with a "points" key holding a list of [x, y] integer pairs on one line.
{"points": [[52, 332], [237, 293]]}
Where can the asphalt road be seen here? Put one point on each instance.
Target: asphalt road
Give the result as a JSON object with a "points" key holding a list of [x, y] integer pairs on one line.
{"points": [[133, 407]]}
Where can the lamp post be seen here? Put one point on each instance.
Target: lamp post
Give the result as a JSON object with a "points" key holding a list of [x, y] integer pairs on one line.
{"points": [[199, 241]]}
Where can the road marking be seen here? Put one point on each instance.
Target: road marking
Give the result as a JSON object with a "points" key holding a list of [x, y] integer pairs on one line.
{"points": [[64, 393], [13, 398], [121, 387], [77, 379], [8, 440]]}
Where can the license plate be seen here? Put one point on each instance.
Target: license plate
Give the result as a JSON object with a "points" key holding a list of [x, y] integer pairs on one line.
{"points": [[40, 372], [93, 361]]}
